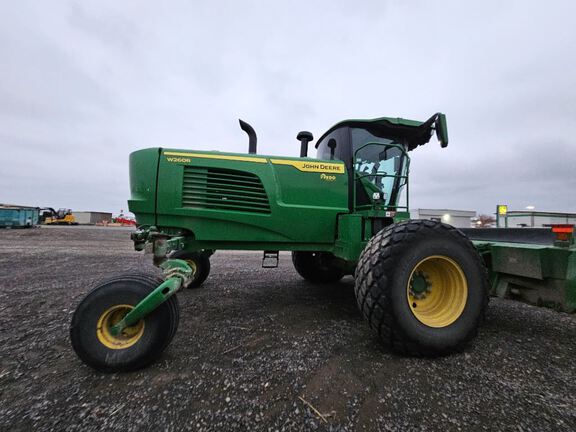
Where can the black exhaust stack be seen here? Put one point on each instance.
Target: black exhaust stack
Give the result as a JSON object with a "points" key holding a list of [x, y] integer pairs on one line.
{"points": [[252, 140], [304, 137]]}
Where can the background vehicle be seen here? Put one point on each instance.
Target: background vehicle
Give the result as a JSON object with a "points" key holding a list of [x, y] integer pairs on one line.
{"points": [[49, 216]]}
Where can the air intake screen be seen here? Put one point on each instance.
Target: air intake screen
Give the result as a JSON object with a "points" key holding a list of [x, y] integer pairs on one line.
{"points": [[223, 189]]}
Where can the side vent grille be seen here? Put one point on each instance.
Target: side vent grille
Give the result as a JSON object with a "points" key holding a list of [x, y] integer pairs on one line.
{"points": [[223, 189]]}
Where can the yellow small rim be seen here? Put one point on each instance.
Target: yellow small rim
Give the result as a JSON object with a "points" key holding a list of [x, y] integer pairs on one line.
{"points": [[446, 291], [128, 337], [193, 266]]}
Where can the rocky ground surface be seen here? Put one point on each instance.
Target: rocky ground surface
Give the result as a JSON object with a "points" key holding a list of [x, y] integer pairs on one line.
{"points": [[253, 345]]}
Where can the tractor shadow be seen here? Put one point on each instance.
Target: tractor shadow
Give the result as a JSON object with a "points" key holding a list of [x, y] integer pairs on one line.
{"points": [[328, 301]]}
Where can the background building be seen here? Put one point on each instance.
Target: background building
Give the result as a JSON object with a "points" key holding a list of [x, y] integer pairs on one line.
{"points": [[535, 219], [457, 218], [91, 218]]}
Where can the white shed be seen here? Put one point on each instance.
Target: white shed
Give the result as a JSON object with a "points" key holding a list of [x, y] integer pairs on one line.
{"points": [[457, 218], [91, 217]]}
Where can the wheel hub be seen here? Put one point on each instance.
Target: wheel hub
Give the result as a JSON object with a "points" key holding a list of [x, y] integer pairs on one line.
{"points": [[127, 337], [420, 285]]}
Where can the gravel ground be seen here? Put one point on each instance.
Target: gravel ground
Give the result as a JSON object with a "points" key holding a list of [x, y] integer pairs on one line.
{"points": [[253, 341]]}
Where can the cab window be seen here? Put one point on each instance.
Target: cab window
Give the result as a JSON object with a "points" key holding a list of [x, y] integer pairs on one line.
{"points": [[330, 147], [378, 163]]}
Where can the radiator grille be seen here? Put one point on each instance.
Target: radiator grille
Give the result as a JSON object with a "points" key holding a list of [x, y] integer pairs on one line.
{"points": [[223, 189]]}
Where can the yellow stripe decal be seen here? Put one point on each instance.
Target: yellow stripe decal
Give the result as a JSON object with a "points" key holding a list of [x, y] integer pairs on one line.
{"points": [[309, 166], [304, 166], [216, 156]]}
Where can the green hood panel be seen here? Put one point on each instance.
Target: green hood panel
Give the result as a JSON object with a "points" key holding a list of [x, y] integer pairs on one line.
{"points": [[244, 198]]}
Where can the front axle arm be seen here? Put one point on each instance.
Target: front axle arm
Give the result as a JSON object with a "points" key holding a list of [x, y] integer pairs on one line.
{"points": [[177, 273]]}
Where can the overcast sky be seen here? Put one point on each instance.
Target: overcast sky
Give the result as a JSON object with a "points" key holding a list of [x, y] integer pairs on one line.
{"points": [[84, 83]]}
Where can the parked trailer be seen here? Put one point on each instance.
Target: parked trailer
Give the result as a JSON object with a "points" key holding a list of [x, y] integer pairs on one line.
{"points": [[18, 217], [534, 265]]}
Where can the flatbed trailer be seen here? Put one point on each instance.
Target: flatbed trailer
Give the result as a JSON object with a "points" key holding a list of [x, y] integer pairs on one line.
{"points": [[534, 265]]}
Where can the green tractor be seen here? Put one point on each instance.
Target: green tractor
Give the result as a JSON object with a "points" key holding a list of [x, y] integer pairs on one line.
{"points": [[420, 284]]}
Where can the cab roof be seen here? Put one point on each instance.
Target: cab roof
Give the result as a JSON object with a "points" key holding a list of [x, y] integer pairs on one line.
{"points": [[415, 132]]}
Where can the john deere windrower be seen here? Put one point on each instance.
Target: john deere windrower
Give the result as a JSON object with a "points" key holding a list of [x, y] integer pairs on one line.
{"points": [[421, 285]]}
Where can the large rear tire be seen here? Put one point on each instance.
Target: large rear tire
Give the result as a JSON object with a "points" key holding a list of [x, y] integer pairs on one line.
{"points": [[316, 267], [423, 287], [199, 262], [138, 345]]}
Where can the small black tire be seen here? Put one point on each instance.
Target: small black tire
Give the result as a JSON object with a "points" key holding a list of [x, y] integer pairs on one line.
{"points": [[426, 263], [200, 263], [316, 267], [106, 304]]}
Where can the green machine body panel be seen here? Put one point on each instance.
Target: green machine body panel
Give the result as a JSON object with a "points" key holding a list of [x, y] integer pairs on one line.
{"points": [[234, 198], [143, 180]]}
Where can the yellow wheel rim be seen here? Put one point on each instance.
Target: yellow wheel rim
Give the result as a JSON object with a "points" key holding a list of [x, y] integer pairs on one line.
{"points": [[437, 291], [128, 337], [193, 266]]}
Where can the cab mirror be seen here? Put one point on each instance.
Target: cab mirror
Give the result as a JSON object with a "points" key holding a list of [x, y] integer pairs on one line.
{"points": [[441, 129]]}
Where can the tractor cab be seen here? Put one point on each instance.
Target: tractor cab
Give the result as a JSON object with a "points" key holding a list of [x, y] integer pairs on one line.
{"points": [[376, 155]]}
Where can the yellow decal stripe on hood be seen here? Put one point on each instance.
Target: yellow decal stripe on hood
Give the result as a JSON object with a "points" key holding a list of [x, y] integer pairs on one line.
{"points": [[310, 166], [216, 156]]}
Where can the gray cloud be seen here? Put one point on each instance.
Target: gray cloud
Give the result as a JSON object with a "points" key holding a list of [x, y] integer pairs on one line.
{"points": [[82, 84]]}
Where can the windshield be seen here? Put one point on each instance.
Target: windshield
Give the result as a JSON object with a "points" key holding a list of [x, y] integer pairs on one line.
{"points": [[383, 158]]}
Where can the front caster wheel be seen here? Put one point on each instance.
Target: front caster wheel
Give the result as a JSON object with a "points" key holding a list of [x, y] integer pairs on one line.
{"points": [[199, 262], [136, 346]]}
